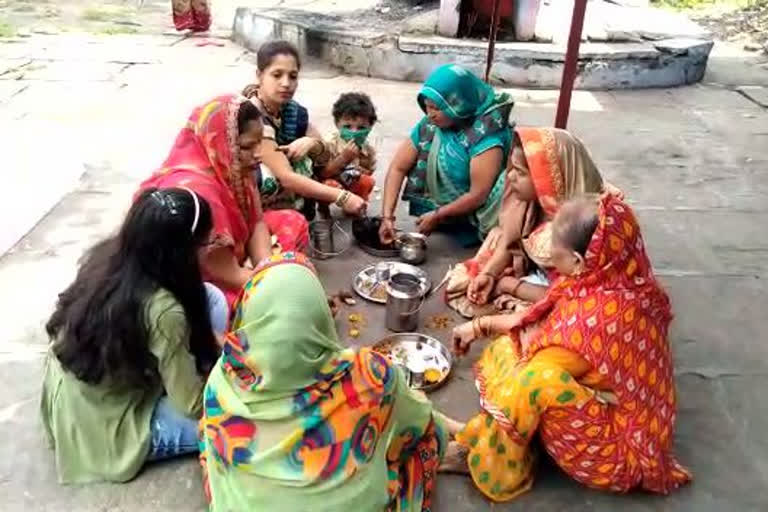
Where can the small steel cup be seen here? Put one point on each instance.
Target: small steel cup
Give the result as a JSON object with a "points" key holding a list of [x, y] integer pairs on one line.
{"points": [[382, 270]]}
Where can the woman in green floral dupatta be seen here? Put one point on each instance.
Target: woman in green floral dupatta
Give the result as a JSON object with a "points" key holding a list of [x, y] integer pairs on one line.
{"points": [[293, 421], [454, 158]]}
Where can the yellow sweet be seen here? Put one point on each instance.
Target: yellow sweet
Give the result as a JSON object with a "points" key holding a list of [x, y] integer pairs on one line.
{"points": [[432, 375]]}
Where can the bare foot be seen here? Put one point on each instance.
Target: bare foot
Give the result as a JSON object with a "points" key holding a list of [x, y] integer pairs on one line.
{"points": [[455, 459], [335, 304], [453, 426]]}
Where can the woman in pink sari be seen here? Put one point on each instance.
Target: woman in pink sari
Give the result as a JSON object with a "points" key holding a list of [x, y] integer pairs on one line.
{"points": [[213, 155]]}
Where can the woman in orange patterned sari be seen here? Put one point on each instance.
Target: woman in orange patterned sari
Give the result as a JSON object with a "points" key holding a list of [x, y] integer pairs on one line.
{"points": [[546, 167], [212, 155], [589, 368]]}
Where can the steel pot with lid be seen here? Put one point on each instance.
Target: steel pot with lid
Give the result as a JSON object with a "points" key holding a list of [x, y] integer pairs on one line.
{"points": [[405, 297]]}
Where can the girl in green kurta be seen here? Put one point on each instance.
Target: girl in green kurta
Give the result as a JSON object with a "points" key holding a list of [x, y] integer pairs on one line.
{"points": [[131, 338], [294, 421]]}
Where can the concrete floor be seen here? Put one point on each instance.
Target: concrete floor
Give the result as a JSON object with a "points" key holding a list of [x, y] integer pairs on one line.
{"points": [[692, 161]]}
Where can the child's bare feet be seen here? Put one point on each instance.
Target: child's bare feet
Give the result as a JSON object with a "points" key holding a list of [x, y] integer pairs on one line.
{"points": [[455, 459]]}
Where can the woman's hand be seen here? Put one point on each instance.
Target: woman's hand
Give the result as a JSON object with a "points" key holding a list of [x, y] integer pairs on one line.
{"points": [[299, 148], [428, 222], [507, 285], [480, 289], [387, 231], [463, 337], [355, 205], [613, 190]]}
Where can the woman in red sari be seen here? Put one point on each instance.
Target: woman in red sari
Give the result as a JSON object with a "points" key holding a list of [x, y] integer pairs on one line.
{"points": [[192, 15], [212, 155], [589, 368]]}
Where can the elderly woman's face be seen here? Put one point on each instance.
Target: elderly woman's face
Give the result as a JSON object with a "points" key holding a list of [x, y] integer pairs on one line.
{"points": [[436, 116], [278, 82], [519, 176]]}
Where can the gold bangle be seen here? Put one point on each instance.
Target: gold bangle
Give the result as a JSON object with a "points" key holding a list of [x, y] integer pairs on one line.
{"points": [[487, 329], [342, 199], [476, 330]]}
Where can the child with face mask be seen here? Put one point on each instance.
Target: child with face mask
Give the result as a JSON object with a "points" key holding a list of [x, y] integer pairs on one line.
{"points": [[352, 159]]}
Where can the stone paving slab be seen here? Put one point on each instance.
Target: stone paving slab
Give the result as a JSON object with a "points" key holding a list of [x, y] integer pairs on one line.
{"points": [[8, 89], [539, 51], [757, 94], [16, 49], [22, 201], [73, 71], [62, 100], [11, 65]]}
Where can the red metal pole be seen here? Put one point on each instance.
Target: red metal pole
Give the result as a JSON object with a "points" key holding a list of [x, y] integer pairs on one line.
{"points": [[495, 19], [571, 64]]}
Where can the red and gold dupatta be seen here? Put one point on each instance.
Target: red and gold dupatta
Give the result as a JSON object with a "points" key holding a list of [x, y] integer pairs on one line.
{"points": [[204, 159]]}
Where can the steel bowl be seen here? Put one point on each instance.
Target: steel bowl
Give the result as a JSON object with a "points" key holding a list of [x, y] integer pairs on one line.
{"points": [[412, 247]]}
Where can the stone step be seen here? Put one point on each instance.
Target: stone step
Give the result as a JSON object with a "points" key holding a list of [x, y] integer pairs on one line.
{"points": [[360, 46]]}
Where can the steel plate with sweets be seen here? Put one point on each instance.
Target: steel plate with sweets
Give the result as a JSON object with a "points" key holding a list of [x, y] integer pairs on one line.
{"points": [[425, 361]]}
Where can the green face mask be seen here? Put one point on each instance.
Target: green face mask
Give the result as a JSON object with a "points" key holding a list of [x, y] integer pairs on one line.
{"points": [[359, 136]]}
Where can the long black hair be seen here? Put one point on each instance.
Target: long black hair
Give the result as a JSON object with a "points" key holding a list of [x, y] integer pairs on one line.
{"points": [[100, 327]]}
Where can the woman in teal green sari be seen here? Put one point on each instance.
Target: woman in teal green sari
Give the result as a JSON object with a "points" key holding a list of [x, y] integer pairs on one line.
{"points": [[454, 159]]}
